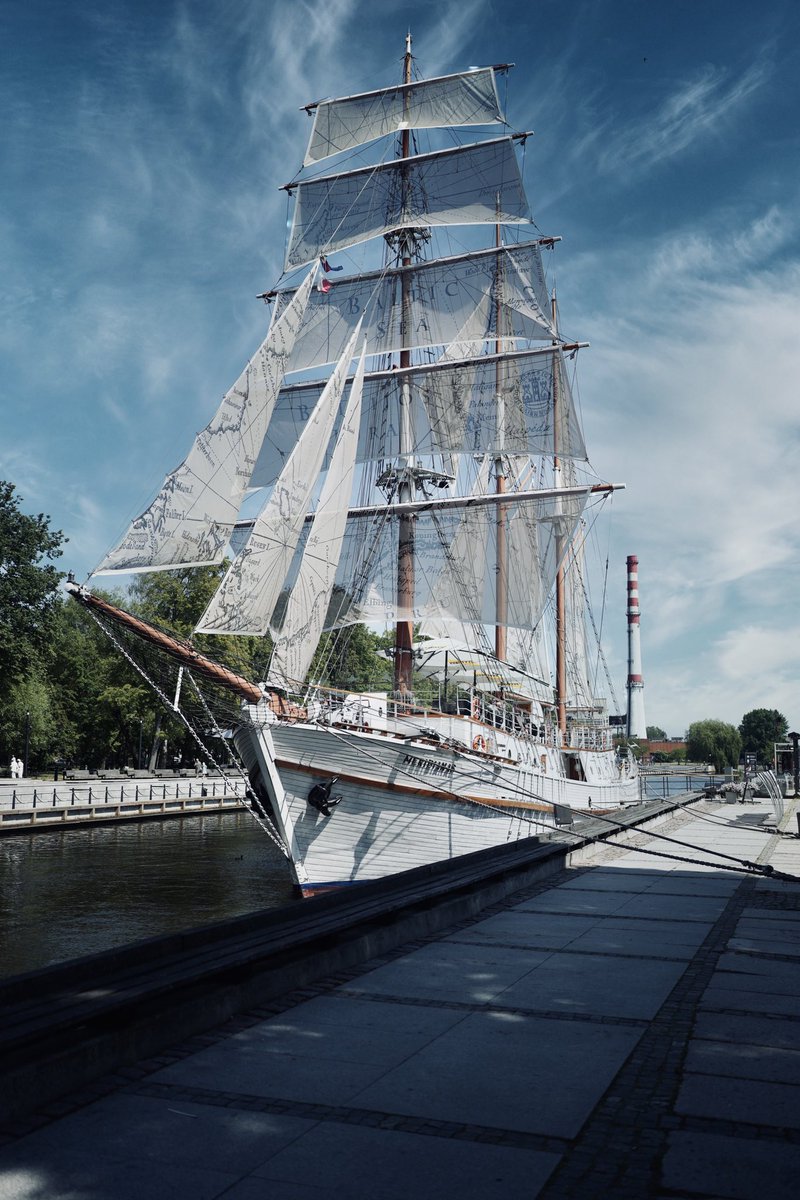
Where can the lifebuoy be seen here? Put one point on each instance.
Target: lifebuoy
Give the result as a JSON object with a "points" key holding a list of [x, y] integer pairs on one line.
{"points": [[479, 742]]}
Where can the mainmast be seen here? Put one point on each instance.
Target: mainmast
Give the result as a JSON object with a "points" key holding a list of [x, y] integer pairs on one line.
{"points": [[501, 561], [404, 631]]}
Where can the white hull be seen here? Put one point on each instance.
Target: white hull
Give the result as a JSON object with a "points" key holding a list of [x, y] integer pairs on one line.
{"points": [[406, 801]]}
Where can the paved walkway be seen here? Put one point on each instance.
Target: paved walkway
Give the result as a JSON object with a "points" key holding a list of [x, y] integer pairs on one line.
{"points": [[631, 1029]]}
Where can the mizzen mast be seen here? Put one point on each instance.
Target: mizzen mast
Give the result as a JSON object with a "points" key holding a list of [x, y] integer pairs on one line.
{"points": [[561, 603]]}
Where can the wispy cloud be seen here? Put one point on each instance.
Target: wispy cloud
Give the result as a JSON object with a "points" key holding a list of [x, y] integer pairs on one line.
{"points": [[697, 108]]}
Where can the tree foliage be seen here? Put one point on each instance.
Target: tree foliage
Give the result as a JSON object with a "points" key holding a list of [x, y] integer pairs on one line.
{"points": [[656, 734], [355, 662], [760, 729], [28, 588], [714, 742]]}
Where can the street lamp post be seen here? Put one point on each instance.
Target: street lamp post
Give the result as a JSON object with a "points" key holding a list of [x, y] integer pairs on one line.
{"points": [[139, 760], [795, 738], [27, 744]]}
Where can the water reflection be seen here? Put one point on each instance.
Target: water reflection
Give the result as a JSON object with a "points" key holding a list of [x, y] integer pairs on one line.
{"points": [[78, 891]]}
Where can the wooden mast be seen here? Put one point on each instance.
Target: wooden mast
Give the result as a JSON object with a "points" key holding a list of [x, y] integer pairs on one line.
{"points": [[501, 529], [561, 607], [404, 630]]}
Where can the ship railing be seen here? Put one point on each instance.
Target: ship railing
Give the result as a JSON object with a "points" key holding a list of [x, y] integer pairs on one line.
{"points": [[508, 718], [588, 737]]}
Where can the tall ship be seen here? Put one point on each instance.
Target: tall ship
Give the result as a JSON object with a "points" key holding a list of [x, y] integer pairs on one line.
{"points": [[402, 453]]}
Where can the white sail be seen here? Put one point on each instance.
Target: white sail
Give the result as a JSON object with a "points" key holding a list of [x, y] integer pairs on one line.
{"points": [[245, 599], [453, 299], [453, 407], [190, 521], [462, 573], [308, 603], [367, 575], [451, 100], [468, 185], [580, 691]]}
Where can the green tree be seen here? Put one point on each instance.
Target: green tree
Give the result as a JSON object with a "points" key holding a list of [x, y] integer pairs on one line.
{"points": [[760, 729], [26, 719], [352, 661], [713, 742], [28, 587], [656, 734]]}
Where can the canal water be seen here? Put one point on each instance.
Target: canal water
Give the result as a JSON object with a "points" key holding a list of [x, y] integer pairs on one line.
{"points": [[72, 892], [661, 787]]}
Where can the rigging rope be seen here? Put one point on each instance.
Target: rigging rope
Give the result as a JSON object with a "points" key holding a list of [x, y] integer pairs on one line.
{"points": [[264, 822]]}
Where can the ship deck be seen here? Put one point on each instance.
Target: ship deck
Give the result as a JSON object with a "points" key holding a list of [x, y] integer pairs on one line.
{"points": [[628, 1027]]}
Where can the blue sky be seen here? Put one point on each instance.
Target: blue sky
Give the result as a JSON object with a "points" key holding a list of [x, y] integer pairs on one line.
{"points": [[143, 145]]}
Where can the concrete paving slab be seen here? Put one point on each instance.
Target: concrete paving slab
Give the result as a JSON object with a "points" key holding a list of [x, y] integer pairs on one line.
{"points": [[507, 1071], [710, 1165], [633, 860], [596, 985], [385, 1042], [602, 903], [672, 907], [448, 970], [252, 1188], [721, 997], [756, 974], [744, 1061], [764, 943], [76, 1175], [750, 1100], [127, 1129], [600, 879], [751, 1028], [681, 884], [572, 901], [249, 1068], [547, 932], [352, 1162], [334, 1009], [784, 920], [615, 937], [636, 880]]}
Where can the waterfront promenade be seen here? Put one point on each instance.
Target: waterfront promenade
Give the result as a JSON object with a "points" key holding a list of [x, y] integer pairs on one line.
{"points": [[34, 804], [627, 1028]]}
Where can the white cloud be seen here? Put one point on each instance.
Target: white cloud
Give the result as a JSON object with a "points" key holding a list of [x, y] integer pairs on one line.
{"points": [[693, 385]]}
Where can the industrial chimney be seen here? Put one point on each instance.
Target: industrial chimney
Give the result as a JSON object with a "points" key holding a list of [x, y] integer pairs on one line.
{"points": [[637, 727]]}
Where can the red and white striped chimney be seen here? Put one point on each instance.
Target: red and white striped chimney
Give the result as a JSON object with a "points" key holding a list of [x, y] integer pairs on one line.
{"points": [[637, 727]]}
